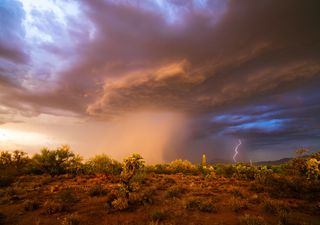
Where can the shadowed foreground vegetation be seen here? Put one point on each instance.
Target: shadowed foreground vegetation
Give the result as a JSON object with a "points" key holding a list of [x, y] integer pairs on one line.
{"points": [[59, 187]]}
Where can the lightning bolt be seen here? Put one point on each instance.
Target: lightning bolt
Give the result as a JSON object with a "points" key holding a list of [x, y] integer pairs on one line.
{"points": [[236, 151]]}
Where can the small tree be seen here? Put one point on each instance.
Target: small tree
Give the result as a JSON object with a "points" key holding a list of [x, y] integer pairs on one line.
{"points": [[12, 164], [103, 164], [16, 160], [56, 162]]}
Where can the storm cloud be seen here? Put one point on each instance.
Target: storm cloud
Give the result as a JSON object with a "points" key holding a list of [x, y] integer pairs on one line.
{"points": [[234, 69]]}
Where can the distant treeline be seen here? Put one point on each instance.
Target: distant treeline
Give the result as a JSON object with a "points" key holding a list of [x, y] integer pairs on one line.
{"points": [[63, 161]]}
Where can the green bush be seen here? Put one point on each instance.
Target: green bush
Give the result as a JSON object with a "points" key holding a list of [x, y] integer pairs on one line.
{"points": [[182, 166], [56, 162], [159, 169], [206, 170], [262, 174], [296, 167], [225, 170], [102, 164], [245, 171], [17, 160], [313, 168]]}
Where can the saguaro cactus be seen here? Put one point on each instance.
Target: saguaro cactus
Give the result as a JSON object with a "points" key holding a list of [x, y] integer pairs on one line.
{"points": [[204, 160]]}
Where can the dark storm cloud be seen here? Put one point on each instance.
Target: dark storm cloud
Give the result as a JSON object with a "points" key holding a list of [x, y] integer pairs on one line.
{"points": [[275, 120], [232, 65], [255, 49], [254, 54]]}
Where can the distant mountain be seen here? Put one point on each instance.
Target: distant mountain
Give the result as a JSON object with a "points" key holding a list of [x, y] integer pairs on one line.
{"points": [[259, 163], [270, 163]]}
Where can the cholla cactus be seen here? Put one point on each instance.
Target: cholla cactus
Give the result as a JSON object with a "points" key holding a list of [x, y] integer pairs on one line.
{"points": [[132, 166], [313, 168]]}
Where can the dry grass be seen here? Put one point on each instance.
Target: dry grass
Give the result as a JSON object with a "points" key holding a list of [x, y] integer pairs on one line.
{"points": [[160, 199]]}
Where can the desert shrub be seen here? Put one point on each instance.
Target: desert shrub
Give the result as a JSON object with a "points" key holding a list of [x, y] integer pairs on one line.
{"points": [[118, 200], [52, 207], [159, 169], [102, 164], [245, 171], [270, 207], [292, 186], [111, 196], [120, 203], [313, 168], [175, 192], [206, 170], [225, 170], [201, 204], [97, 190], [67, 196], [296, 167], [71, 219], [159, 215], [141, 198], [252, 220], [274, 208], [182, 166], [238, 205], [56, 162], [64, 200], [277, 169], [17, 160], [30, 205], [12, 165], [237, 193], [262, 174]]}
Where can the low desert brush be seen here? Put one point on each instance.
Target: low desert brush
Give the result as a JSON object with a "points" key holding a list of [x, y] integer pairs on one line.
{"points": [[252, 220], [175, 192], [201, 204], [97, 190], [238, 205], [159, 215], [71, 219]]}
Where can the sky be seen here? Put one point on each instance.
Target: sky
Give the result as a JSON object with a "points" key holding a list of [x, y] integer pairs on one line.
{"points": [[164, 78]]}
